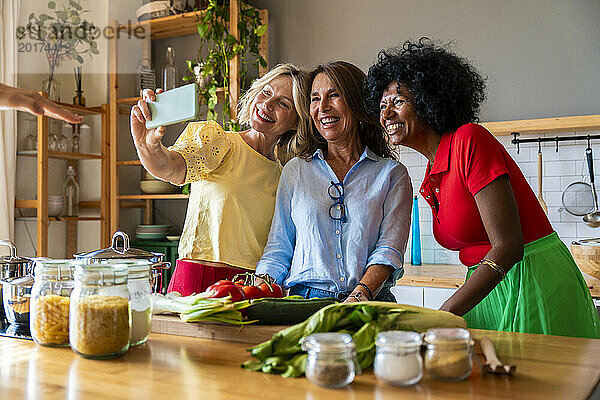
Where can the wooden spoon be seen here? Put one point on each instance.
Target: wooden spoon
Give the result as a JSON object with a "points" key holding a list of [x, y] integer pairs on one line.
{"points": [[539, 196], [493, 365]]}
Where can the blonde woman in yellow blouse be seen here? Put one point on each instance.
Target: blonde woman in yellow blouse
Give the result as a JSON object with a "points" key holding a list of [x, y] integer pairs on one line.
{"points": [[234, 177]]}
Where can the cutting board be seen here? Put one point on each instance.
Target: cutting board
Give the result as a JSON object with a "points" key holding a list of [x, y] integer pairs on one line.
{"points": [[251, 334]]}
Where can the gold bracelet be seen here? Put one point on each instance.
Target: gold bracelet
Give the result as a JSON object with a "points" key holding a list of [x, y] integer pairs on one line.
{"points": [[358, 295], [495, 267]]}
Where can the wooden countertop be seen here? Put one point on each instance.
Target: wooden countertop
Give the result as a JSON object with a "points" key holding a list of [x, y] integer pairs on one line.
{"points": [[175, 367], [453, 276]]}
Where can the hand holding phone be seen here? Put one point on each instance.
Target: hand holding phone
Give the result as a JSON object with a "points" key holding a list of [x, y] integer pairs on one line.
{"points": [[140, 113], [173, 106]]}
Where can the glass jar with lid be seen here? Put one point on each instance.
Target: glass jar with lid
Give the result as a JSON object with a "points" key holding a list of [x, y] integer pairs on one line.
{"points": [[448, 354], [398, 358], [100, 311], [50, 298], [139, 285], [331, 359]]}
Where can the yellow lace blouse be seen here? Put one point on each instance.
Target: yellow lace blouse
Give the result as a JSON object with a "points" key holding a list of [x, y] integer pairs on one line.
{"points": [[232, 196]]}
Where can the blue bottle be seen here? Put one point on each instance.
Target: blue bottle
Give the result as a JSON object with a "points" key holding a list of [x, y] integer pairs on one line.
{"points": [[415, 258]]}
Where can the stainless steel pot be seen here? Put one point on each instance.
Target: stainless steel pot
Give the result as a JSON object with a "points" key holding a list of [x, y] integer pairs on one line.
{"points": [[114, 252], [12, 266], [16, 293]]}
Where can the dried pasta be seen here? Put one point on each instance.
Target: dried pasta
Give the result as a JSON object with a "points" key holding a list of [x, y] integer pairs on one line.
{"points": [[100, 325], [50, 319]]}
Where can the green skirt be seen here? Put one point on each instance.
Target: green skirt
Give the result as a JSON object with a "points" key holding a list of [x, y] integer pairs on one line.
{"points": [[543, 293]]}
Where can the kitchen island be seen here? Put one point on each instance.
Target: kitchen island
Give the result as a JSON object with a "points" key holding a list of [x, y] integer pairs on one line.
{"points": [[176, 367]]}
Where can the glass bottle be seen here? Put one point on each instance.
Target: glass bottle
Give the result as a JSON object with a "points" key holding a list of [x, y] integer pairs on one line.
{"points": [[78, 99], [169, 73], [145, 74], [76, 129], [49, 310], [71, 194], [100, 311], [139, 285], [448, 355], [331, 359], [398, 359]]}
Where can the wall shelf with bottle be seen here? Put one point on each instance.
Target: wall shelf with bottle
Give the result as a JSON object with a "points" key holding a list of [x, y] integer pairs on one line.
{"points": [[161, 28], [42, 204]]}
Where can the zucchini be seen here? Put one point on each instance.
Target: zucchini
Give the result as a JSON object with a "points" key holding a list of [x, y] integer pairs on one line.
{"points": [[285, 311]]}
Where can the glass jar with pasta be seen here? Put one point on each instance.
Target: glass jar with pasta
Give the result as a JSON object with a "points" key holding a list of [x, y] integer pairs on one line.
{"points": [[100, 311], [49, 313]]}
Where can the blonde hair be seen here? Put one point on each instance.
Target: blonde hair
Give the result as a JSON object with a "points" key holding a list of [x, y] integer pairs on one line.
{"points": [[285, 144]]}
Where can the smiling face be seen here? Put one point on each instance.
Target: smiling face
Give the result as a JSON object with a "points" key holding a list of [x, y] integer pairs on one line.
{"points": [[398, 117], [329, 111], [273, 111]]}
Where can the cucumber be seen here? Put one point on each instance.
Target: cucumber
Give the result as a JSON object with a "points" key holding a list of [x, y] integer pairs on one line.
{"points": [[285, 311]]}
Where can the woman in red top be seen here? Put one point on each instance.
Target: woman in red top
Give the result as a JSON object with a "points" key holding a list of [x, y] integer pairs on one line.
{"points": [[521, 276]]}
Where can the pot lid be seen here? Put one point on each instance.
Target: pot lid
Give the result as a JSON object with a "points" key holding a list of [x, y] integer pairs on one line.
{"points": [[12, 258], [115, 252]]}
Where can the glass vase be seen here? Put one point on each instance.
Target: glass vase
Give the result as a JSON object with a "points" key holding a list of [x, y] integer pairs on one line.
{"points": [[52, 87]]}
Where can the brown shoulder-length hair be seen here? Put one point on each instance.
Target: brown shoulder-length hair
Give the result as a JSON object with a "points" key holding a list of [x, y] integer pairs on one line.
{"points": [[348, 79]]}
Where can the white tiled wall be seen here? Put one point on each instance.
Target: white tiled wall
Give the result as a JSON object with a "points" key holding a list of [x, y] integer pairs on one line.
{"points": [[560, 170]]}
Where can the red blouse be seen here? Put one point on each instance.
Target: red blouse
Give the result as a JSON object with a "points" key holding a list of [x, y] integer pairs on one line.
{"points": [[465, 162]]}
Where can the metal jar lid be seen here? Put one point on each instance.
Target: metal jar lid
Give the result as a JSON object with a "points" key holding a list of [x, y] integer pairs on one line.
{"points": [[328, 342], [114, 252]]}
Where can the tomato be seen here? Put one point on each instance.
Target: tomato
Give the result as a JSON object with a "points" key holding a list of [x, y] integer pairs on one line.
{"points": [[252, 292], [225, 288], [271, 290], [222, 282]]}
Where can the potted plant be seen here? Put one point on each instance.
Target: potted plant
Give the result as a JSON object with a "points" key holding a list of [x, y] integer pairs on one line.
{"points": [[211, 70], [64, 35]]}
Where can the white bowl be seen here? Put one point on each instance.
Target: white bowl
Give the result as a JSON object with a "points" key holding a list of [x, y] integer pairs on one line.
{"points": [[55, 206], [157, 187]]}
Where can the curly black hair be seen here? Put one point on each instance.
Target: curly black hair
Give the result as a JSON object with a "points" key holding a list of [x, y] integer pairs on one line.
{"points": [[447, 89]]}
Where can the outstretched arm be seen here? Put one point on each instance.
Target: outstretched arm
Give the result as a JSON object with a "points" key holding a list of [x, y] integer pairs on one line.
{"points": [[33, 103]]}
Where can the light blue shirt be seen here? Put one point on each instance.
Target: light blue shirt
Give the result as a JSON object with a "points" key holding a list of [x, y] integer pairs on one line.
{"points": [[307, 246]]}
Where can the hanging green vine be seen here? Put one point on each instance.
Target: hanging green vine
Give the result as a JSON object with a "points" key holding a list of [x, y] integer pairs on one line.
{"points": [[220, 47]]}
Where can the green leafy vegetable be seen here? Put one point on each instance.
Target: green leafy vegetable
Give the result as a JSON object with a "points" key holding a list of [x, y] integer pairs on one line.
{"points": [[363, 321]]}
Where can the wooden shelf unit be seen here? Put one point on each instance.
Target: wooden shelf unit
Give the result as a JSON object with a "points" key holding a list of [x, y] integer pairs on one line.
{"points": [[65, 155], [43, 154], [539, 126], [161, 28]]}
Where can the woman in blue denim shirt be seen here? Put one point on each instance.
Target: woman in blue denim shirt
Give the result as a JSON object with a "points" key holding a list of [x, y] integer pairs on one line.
{"points": [[342, 212]]}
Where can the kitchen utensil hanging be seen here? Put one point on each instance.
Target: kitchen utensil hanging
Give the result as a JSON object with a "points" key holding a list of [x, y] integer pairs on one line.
{"points": [[540, 196], [593, 217], [578, 197]]}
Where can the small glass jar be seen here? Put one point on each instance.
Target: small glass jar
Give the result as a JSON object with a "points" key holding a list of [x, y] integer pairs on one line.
{"points": [[448, 354], [331, 359], [139, 285], [398, 359], [50, 298], [100, 311]]}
